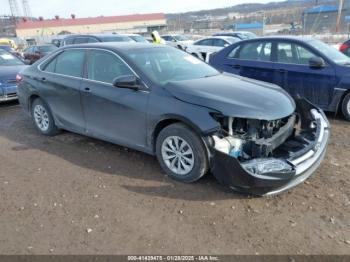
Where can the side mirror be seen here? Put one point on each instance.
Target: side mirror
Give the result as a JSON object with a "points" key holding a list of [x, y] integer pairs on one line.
{"points": [[127, 81], [226, 45], [317, 62]]}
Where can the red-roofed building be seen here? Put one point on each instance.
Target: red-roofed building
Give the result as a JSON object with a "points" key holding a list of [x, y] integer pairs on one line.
{"points": [[139, 23]]}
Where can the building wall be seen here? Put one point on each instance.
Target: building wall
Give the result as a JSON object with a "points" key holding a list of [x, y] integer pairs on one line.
{"points": [[136, 26]]}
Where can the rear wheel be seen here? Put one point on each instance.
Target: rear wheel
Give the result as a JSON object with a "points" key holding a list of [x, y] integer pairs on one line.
{"points": [[346, 107], [43, 118], [181, 153]]}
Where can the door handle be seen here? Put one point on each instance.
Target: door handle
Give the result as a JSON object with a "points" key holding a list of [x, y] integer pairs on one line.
{"points": [[41, 79], [236, 66], [281, 70], [87, 90]]}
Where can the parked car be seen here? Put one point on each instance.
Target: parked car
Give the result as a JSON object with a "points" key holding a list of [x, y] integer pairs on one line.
{"points": [[165, 102], [345, 48], [84, 39], [305, 68], [207, 46], [137, 38], [178, 41], [34, 53], [10, 66], [11, 50], [243, 35]]}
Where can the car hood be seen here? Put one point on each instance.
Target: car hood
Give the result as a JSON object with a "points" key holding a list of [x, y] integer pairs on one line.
{"points": [[10, 72], [235, 96]]}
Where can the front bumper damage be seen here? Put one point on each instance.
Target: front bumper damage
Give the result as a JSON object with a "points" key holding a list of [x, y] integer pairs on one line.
{"points": [[289, 165]]}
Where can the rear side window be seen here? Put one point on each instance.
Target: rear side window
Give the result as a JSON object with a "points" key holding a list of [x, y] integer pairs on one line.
{"points": [[257, 51], [93, 40], [69, 41], [219, 42], [69, 63], [104, 66], [81, 40], [205, 42]]}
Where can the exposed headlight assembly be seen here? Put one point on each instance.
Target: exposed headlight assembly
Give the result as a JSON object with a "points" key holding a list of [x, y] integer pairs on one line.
{"points": [[266, 165]]}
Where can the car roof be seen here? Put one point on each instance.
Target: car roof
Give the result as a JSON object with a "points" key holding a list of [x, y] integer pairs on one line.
{"points": [[223, 37], [117, 46], [93, 35], [287, 37]]}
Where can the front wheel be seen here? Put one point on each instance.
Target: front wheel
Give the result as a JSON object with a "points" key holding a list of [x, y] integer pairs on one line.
{"points": [[43, 118], [181, 153], [346, 107]]}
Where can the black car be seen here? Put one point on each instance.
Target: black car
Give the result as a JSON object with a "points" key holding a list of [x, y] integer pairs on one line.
{"points": [[165, 102], [96, 38]]}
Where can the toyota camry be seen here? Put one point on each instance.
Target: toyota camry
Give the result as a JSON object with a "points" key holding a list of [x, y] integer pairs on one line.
{"points": [[251, 135]]}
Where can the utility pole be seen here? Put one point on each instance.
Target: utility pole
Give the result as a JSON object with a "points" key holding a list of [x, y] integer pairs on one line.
{"points": [[340, 9]]}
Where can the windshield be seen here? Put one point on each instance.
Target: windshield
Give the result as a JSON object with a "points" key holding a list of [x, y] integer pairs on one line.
{"points": [[138, 38], [47, 48], [163, 65], [330, 52], [181, 38], [6, 59], [116, 39]]}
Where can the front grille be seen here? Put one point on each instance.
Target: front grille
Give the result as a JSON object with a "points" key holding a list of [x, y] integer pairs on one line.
{"points": [[11, 95]]}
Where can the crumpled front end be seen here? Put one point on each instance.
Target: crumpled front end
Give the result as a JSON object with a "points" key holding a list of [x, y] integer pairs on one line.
{"points": [[268, 157]]}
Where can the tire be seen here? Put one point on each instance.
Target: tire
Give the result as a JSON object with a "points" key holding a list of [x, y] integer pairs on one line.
{"points": [[195, 55], [180, 47], [42, 118], [346, 107], [192, 166]]}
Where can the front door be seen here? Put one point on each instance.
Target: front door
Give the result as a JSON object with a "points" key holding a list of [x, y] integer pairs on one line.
{"points": [[293, 73], [114, 114]]}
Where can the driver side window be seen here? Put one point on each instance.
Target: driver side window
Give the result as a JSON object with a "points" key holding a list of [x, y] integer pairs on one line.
{"points": [[104, 67], [290, 53]]}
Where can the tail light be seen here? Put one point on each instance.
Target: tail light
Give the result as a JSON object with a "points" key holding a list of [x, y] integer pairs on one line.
{"points": [[343, 47], [19, 78]]}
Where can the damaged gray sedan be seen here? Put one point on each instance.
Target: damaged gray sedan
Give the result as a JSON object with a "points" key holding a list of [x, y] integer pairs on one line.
{"points": [[252, 136]]}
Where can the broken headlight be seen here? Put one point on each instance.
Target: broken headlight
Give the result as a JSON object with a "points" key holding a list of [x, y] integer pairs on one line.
{"points": [[266, 165]]}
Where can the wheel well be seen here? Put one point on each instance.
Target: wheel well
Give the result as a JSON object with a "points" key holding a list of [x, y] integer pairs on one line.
{"points": [[31, 100], [340, 106], [160, 126]]}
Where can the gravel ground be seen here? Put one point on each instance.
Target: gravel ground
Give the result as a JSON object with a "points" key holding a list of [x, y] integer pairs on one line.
{"points": [[74, 195]]}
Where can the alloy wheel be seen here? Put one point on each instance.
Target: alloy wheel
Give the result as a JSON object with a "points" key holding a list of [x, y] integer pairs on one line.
{"points": [[178, 155], [41, 118]]}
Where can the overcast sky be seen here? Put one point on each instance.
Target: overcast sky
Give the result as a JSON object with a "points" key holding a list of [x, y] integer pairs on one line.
{"points": [[85, 8]]}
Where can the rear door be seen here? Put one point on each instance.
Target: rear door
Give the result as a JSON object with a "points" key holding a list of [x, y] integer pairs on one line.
{"points": [[60, 87], [251, 59], [114, 114], [293, 73]]}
